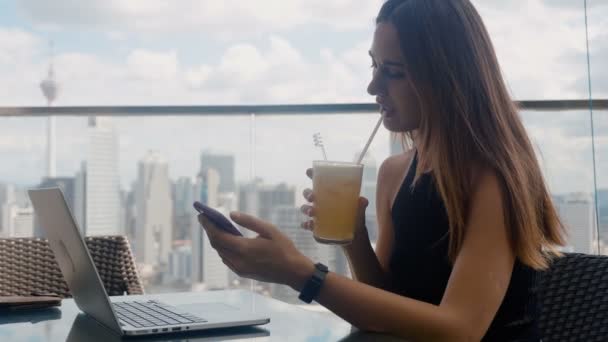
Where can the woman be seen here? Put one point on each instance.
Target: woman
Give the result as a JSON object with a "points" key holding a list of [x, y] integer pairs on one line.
{"points": [[465, 219]]}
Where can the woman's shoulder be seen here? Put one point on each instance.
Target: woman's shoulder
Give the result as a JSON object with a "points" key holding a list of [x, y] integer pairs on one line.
{"points": [[392, 172], [395, 166]]}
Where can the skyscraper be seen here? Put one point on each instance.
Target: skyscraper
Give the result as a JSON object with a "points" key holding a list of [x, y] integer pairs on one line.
{"points": [[602, 198], [259, 199], [183, 197], [130, 212], [7, 197], [208, 267], [153, 230], [16, 212], [19, 220], [180, 264], [102, 180], [224, 165], [577, 214], [288, 219]]}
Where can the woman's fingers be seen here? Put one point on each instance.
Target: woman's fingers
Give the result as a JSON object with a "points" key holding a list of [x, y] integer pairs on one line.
{"points": [[308, 195], [308, 225], [307, 210], [309, 173]]}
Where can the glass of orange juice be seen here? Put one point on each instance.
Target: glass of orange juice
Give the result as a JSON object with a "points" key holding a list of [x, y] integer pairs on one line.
{"points": [[336, 186]]}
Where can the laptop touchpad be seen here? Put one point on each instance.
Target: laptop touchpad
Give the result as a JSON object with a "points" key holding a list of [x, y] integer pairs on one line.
{"points": [[203, 309]]}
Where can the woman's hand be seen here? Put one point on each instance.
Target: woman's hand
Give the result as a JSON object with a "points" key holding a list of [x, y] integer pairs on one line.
{"points": [[309, 210], [270, 257]]}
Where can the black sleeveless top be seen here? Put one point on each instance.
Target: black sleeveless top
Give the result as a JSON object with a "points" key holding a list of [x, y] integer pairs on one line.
{"points": [[420, 265]]}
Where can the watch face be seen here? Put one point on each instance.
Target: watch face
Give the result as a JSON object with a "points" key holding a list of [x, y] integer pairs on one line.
{"points": [[322, 267]]}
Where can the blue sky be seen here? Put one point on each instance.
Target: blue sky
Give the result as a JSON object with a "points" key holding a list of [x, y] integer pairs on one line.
{"points": [[153, 52]]}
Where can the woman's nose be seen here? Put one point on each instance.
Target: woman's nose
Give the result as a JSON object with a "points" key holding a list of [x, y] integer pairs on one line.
{"points": [[372, 88]]}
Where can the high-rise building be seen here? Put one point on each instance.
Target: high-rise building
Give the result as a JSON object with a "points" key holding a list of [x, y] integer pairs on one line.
{"points": [[22, 222], [130, 212], [259, 199], [216, 275], [102, 180], [153, 230], [248, 201], [207, 265], [16, 212], [224, 165], [183, 197], [180, 264], [66, 184], [602, 198], [7, 197], [288, 219], [123, 211], [577, 214]]}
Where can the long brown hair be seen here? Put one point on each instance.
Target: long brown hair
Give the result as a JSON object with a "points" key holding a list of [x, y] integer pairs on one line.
{"points": [[468, 119]]}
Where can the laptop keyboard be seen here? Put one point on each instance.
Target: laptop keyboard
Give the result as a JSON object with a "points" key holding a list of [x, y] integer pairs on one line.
{"points": [[152, 314]]}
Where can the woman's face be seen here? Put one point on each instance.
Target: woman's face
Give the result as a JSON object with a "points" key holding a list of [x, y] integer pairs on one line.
{"points": [[390, 82]]}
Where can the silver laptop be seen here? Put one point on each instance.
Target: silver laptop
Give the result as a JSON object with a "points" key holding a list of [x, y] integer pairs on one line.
{"points": [[122, 316]]}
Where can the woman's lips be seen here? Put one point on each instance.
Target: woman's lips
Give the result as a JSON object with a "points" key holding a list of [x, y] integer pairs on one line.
{"points": [[386, 112]]}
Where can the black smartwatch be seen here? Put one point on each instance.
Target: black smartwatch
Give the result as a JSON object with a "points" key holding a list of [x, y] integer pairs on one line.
{"points": [[312, 287]]}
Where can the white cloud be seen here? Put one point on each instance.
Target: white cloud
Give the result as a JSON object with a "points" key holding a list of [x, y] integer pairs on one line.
{"points": [[196, 77], [16, 44], [152, 66], [531, 41], [280, 74], [222, 18], [271, 72]]}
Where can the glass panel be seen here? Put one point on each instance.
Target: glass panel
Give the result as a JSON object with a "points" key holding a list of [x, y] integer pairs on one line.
{"points": [[563, 143], [285, 149], [598, 48], [601, 141], [134, 176]]}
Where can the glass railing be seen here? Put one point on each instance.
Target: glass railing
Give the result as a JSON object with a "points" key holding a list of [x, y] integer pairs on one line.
{"points": [[250, 158]]}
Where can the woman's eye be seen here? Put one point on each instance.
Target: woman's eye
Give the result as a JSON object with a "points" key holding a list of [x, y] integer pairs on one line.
{"points": [[392, 73]]}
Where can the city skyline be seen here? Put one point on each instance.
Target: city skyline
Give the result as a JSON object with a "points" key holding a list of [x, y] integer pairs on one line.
{"points": [[266, 196], [182, 262]]}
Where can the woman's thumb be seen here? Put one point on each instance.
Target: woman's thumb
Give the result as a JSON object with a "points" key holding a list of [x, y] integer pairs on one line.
{"points": [[363, 203]]}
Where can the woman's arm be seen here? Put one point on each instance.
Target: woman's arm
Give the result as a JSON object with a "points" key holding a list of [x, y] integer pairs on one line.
{"points": [[476, 288]]}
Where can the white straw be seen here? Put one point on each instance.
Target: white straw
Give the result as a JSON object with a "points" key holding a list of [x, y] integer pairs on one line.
{"points": [[319, 143], [369, 141]]}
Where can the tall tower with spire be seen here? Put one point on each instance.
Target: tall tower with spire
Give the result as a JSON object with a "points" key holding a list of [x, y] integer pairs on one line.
{"points": [[50, 88]]}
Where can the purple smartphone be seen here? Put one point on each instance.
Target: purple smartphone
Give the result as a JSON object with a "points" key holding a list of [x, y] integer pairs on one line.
{"points": [[216, 218]]}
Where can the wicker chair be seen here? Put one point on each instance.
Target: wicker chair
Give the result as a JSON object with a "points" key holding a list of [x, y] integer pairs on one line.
{"points": [[28, 266], [573, 295]]}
